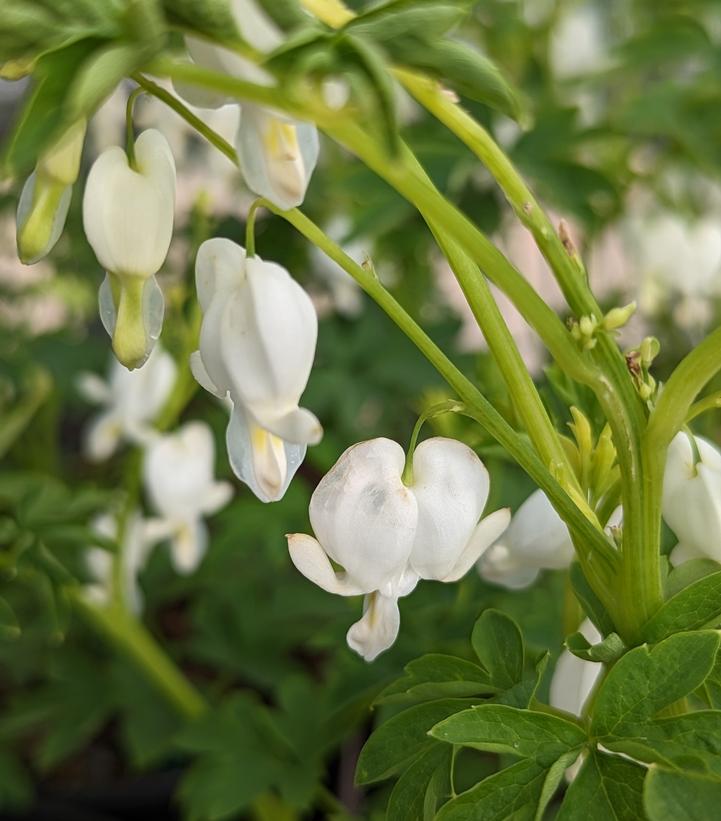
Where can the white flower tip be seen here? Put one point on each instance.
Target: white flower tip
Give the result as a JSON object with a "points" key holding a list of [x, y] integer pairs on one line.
{"points": [[377, 630], [299, 426]]}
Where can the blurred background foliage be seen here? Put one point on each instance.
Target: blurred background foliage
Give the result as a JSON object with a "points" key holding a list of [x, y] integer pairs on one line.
{"points": [[621, 138]]}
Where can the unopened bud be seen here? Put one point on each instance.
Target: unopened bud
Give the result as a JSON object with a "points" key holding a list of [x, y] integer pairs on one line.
{"points": [[618, 317], [649, 350]]}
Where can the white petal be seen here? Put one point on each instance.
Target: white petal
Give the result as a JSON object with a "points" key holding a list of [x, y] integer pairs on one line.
{"points": [[537, 536], [255, 26], [311, 560], [102, 437], [573, 678], [215, 497], [299, 426], [267, 343], [91, 387], [498, 566], [451, 486], [128, 214], [201, 376], [260, 460], [277, 156], [485, 534], [219, 267], [683, 553], [363, 514], [377, 629], [188, 546], [141, 394]]}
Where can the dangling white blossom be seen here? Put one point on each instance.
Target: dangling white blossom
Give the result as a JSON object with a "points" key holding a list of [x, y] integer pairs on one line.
{"points": [[128, 219], [178, 476], [692, 498], [277, 154], [257, 344], [536, 539], [133, 554], [130, 400], [45, 198], [387, 536]]}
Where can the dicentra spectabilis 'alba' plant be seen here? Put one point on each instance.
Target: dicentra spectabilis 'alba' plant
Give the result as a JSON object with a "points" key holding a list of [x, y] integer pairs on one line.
{"points": [[178, 475], [130, 400], [128, 218], [257, 344], [536, 539], [277, 154], [133, 553], [692, 498], [387, 535], [45, 198]]}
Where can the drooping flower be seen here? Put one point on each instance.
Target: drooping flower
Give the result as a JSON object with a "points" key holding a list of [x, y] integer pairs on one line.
{"points": [[128, 219], [257, 344], [130, 400], [133, 553], [277, 154], [387, 536], [45, 198], [536, 539], [692, 497], [178, 475]]}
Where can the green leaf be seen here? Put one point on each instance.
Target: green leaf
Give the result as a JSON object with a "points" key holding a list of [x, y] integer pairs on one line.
{"points": [[464, 69], [647, 679], [513, 793], [211, 17], [607, 788], [401, 739], [589, 601], [673, 796], [498, 643], [436, 676], [9, 627], [524, 691], [691, 741], [497, 728], [688, 572], [607, 651], [408, 799], [392, 22], [693, 608]]}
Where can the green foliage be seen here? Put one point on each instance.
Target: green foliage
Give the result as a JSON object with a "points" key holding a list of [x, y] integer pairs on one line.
{"points": [[670, 795], [697, 606], [607, 651]]}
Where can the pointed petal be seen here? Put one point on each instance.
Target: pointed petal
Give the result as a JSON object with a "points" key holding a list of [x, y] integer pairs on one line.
{"points": [[103, 437], [265, 463], [188, 546], [91, 387], [216, 497], [377, 629], [299, 426], [499, 566], [197, 368], [485, 534], [312, 561]]}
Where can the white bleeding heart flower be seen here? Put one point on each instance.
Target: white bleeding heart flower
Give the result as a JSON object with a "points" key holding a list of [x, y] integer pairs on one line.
{"points": [[128, 219], [178, 473], [130, 400], [257, 344], [387, 535], [277, 154], [573, 678], [45, 198], [133, 554], [537, 539], [692, 498]]}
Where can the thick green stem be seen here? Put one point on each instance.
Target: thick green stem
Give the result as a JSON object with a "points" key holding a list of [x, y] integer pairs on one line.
{"points": [[133, 639]]}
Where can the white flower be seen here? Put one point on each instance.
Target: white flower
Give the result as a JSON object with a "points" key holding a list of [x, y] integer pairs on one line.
{"points": [[692, 498], [133, 553], [131, 400], [128, 219], [277, 154], [257, 344], [579, 43], [387, 535], [178, 476], [537, 539], [45, 198], [573, 678]]}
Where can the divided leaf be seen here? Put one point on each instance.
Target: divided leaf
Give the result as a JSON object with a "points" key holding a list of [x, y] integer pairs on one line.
{"points": [[696, 606], [498, 643]]}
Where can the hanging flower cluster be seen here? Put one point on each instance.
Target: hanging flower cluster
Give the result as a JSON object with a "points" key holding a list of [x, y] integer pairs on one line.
{"points": [[387, 535]]}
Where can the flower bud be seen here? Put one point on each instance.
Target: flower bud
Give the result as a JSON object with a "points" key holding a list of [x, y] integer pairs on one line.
{"points": [[45, 198], [128, 219], [257, 344], [617, 317], [387, 535]]}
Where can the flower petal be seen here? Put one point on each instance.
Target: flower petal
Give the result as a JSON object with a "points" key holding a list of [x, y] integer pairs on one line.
{"points": [[103, 437], [486, 533], [188, 546], [201, 376], [312, 561], [377, 629]]}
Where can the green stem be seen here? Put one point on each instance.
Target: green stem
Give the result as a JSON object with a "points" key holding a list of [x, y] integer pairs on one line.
{"points": [[250, 228], [477, 406], [129, 132], [183, 111], [132, 638], [711, 402], [449, 406]]}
